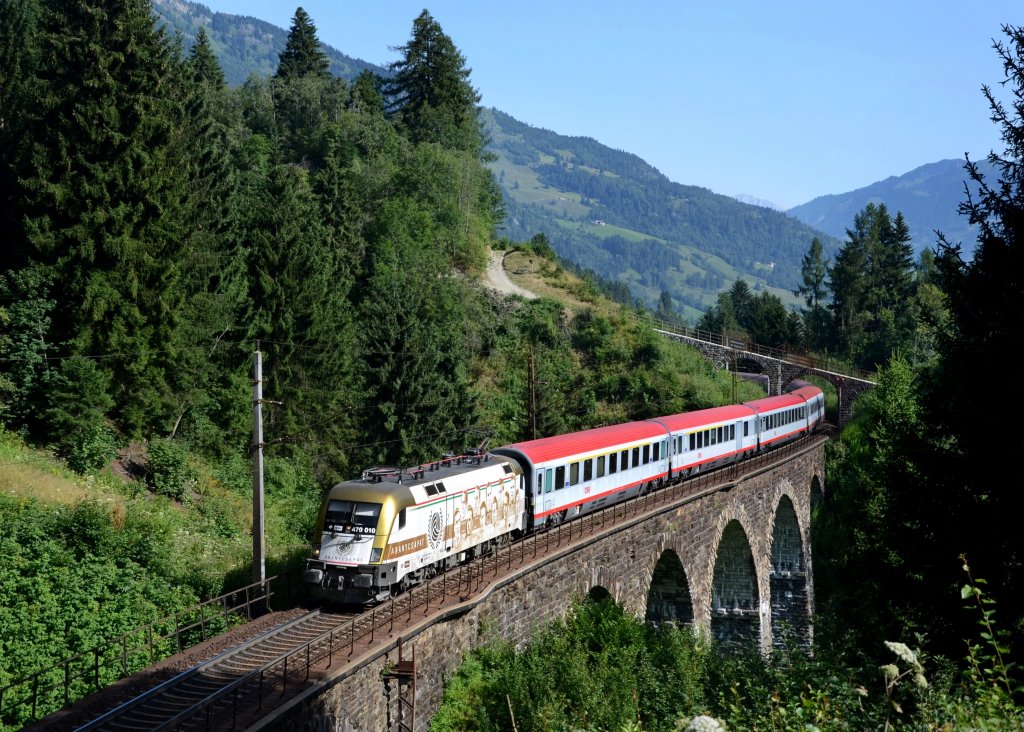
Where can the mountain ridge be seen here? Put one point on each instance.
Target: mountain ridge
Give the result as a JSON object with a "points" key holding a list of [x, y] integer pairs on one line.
{"points": [[928, 196]]}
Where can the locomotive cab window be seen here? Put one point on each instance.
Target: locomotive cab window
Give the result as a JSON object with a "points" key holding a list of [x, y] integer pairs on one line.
{"points": [[401, 519], [351, 517]]}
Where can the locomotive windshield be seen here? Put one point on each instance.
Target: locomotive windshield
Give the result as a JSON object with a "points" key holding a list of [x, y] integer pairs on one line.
{"points": [[351, 517]]}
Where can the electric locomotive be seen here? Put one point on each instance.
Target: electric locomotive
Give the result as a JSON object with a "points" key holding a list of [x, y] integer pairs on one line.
{"points": [[395, 527]]}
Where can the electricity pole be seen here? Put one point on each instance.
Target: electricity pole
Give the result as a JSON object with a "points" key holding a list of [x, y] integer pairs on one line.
{"points": [[259, 567], [532, 376]]}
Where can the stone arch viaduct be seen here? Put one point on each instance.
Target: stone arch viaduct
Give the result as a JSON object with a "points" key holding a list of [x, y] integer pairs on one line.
{"points": [[731, 555], [779, 368]]}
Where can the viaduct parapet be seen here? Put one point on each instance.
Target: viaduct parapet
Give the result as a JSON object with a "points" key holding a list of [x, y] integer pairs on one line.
{"points": [[733, 559]]}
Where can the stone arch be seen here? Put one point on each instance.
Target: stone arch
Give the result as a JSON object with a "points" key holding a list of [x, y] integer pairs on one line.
{"points": [[603, 579], [817, 496], [787, 578], [599, 593], [745, 364], [669, 599], [735, 607]]}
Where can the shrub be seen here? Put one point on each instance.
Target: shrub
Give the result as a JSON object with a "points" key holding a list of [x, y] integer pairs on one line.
{"points": [[169, 473]]}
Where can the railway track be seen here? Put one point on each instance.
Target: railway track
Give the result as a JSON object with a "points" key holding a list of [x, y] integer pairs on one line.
{"points": [[172, 704]]}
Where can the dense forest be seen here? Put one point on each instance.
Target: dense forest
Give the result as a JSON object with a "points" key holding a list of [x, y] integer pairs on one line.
{"points": [[161, 226]]}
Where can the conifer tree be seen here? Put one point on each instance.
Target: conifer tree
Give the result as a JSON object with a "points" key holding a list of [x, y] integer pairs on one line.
{"points": [[20, 91], [99, 200], [202, 64], [813, 288], [302, 55], [367, 94], [208, 388], [429, 92], [306, 95], [847, 283]]}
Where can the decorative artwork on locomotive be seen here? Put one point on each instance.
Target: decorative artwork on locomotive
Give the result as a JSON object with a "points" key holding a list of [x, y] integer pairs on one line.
{"points": [[459, 520], [349, 531]]}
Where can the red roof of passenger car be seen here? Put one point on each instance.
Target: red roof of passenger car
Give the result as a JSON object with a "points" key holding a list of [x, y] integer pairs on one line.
{"points": [[790, 399], [701, 417], [595, 440]]}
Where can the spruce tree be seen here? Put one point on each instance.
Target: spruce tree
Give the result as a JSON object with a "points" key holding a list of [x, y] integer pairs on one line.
{"points": [[813, 288], [367, 94], [302, 55], [20, 94], [208, 386], [429, 93], [413, 351], [306, 95], [202, 64]]}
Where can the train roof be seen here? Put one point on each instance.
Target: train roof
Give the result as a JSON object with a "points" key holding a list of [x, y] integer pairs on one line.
{"points": [[561, 446], [789, 399], [704, 417], [384, 479]]}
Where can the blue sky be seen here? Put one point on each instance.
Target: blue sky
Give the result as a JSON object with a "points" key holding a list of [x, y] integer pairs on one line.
{"points": [[784, 101]]}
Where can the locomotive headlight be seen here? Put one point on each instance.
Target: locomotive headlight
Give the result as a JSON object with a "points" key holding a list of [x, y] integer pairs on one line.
{"points": [[316, 551], [375, 555]]}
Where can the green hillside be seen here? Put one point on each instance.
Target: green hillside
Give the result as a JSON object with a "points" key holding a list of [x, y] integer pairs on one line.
{"points": [[614, 213]]}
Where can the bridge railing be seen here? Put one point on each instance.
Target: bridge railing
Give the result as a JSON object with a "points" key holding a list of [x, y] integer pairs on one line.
{"points": [[800, 358], [50, 689]]}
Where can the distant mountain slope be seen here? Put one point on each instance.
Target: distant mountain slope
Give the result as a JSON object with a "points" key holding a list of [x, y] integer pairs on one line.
{"points": [[244, 45], [928, 196], [612, 212]]}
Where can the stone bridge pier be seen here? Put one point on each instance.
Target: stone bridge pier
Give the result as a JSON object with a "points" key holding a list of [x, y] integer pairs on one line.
{"points": [[735, 561]]}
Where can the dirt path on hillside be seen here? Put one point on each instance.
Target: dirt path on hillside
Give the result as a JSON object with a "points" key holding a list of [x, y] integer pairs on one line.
{"points": [[497, 278]]}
